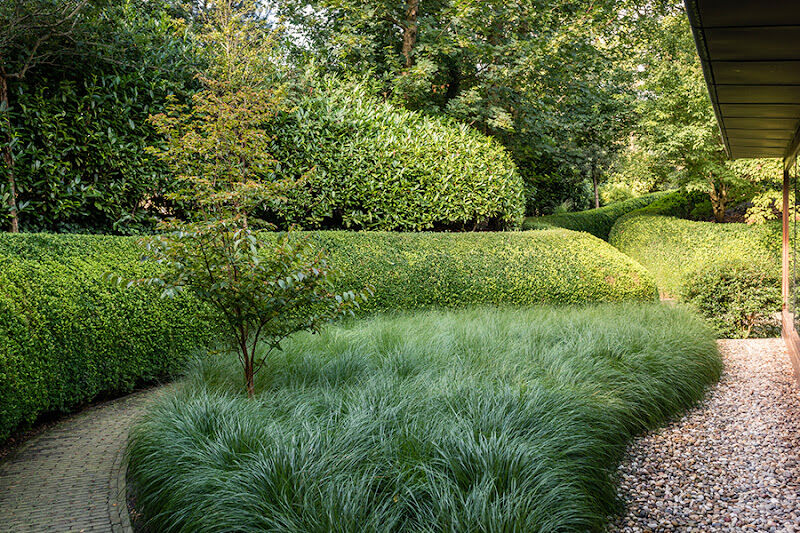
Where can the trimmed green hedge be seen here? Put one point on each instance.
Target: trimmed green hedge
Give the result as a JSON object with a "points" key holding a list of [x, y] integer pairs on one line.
{"points": [[367, 165], [598, 222], [671, 247], [68, 336], [451, 270], [729, 272]]}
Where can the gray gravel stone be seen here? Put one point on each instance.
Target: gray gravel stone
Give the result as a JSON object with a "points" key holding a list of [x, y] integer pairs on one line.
{"points": [[732, 464]]}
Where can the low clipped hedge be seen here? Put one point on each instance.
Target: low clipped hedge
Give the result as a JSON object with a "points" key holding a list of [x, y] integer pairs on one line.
{"points": [[364, 164], [680, 204], [728, 272], [452, 270], [598, 222], [68, 335]]}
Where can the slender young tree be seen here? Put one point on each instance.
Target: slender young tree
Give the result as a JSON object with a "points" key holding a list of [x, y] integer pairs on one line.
{"points": [[264, 287]]}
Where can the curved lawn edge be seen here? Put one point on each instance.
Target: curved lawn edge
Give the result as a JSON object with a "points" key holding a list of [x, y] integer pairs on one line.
{"points": [[431, 421]]}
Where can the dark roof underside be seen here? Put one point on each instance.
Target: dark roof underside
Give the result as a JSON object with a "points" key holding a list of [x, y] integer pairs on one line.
{"points": [[750, 50]]}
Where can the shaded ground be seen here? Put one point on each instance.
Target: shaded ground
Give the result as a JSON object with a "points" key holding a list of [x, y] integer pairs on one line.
{"points": [[731, 465], [71, 476]]}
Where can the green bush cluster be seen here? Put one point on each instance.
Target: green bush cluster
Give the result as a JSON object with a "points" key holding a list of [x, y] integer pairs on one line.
{"points": [[68, 336], [598, 222], [739, 298], [478, 420], [679, 204], [77, 129], [726, 271], [367, 165], [450, 270]]}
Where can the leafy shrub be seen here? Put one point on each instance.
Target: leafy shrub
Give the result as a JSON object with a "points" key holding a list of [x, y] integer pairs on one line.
{"points": [[435, 270], [739, 298], [735, 264], [68, 336], [78, 131], [479, 420], [368, 165], [598, 222]]}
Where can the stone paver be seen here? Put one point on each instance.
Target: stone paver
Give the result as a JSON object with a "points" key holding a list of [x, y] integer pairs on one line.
{"points": [[72, 477], [733, 464]]}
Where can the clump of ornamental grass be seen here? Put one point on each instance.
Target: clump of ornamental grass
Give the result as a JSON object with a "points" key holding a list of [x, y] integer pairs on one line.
{"points": [[476, 420]]}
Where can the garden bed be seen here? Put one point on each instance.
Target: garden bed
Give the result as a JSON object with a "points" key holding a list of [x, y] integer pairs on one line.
{"points": [[480, 420]]}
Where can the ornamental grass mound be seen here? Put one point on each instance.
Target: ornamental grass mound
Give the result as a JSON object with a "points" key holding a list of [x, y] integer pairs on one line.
{"points": [[479, 420]]}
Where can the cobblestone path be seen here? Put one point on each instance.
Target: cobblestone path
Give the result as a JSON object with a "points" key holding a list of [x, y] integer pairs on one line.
{"points": [[71, 477]]}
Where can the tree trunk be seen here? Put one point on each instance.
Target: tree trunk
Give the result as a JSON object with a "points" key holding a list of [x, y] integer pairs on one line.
{"points": [[249, 377], [8, 159], [596, 190], [719, 211], [410, 31], [719, 200], [247, 358]]}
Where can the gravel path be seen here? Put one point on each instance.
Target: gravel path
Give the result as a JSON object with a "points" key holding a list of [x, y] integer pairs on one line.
{"points": [[72, 476], [733, 464]]}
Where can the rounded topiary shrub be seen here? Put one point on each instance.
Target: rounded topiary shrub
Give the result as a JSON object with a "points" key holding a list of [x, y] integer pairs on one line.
{"points": [[364, 164]]}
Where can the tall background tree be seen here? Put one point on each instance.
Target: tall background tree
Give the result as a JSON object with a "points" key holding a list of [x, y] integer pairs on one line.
{"points": [[545, 78], [675, 141]]}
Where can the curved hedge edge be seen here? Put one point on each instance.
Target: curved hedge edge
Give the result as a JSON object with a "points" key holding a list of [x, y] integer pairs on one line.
{"points": [[68, 336], [730, 272], [424, 271], [598, 221]]}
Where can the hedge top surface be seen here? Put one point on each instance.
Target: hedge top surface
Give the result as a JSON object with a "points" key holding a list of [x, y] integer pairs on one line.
{"points": [[425, 270], [598, 221], [412, 271]]}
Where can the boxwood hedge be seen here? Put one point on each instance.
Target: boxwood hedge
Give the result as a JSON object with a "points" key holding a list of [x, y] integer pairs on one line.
{"points": [[68, 335], [435, 270], [598, 222], [367, 165], [729, 272]]}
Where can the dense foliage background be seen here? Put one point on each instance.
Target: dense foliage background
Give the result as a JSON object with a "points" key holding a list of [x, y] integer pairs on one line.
{"points": [[593, 102]]}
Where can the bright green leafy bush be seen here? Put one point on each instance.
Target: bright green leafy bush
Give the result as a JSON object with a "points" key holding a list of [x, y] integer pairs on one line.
{"points": [[479, 420], [725, 270], [68, 335], [368, 165], [739, 298], [598, 222], [435, 270]]}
